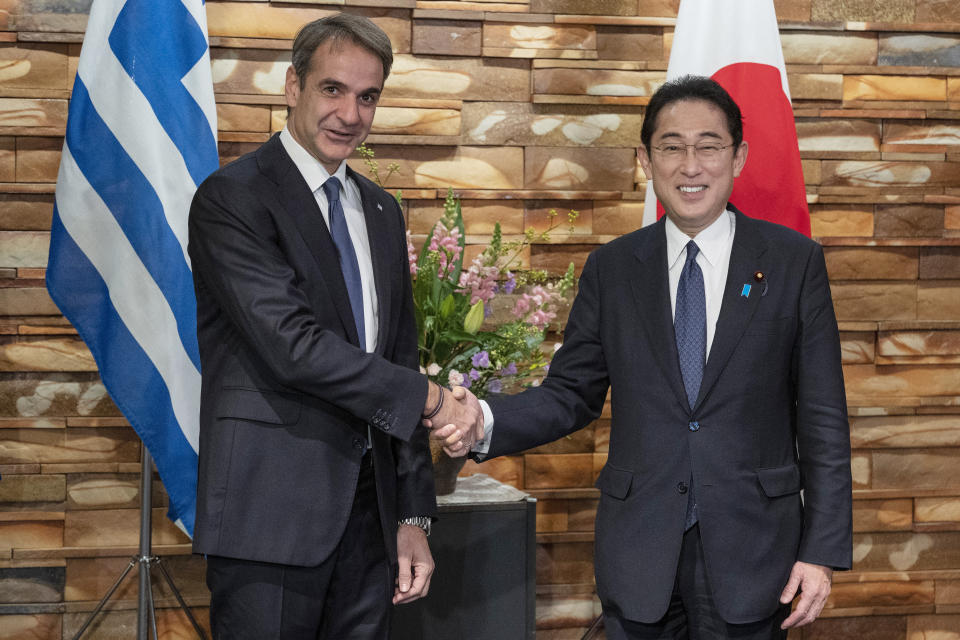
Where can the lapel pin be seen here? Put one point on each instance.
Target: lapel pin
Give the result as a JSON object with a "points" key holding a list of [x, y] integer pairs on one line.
{"points": [[379, 207], [745, 292], [761, 278]]}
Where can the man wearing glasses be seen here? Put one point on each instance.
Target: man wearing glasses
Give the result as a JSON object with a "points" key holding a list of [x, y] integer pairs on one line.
{"points": [[727, 491]]}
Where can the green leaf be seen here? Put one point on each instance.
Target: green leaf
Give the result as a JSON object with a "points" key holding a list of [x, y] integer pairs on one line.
{"points": [[448, 306]]}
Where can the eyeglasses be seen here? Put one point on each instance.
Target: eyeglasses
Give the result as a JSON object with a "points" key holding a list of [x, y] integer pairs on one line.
{"points": [[704, 151]]}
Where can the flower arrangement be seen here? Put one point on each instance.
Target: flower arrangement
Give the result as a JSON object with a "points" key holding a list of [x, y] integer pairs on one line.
{"points": [[452, 300]]}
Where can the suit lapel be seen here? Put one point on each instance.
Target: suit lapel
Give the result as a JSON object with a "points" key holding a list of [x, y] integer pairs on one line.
{"points": [[652, 292], [296, 199], [373, 214], [736, 310]]}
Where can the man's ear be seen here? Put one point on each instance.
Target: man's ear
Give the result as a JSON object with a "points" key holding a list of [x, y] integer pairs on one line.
{"points": [[291, 87], [740, 158], [644, 159]]}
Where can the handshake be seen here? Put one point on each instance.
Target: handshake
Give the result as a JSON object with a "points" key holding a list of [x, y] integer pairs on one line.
{"points": [[454, 418]]}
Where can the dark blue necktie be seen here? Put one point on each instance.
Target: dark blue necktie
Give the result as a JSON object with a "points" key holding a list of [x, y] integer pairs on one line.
{"points": [[348, 257], [690, 326]]}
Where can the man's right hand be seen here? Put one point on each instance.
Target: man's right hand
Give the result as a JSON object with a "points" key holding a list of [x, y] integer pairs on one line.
{"points": [[459, 423]]}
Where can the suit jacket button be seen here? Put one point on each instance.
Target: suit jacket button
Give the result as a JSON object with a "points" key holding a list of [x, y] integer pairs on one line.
{"points": [[694, 425], [681, 488]]}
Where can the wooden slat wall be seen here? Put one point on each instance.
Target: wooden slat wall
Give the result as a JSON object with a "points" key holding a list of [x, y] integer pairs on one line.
{"points": [[524, 106]]}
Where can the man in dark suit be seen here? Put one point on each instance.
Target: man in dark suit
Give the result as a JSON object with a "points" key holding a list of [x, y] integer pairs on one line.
{"points": [[727, 488], [315, 486]]}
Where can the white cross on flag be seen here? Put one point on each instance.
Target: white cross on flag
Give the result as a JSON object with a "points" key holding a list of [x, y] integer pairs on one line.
{"points": [[737, 43]]}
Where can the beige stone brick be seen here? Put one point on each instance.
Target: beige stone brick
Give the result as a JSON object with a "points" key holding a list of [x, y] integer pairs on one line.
{"points": [[57, 354], [38, 159], [848, 595], [506, 469], [661, 8], [25, 212], [551, 516], [874, 263], [874, 301], [939, 263], [172, 624], [913, 132], [587, 7], [89, 578], [838, 135], [617, 218], [565, 563], [596, 82], [479, 216], [24, 248], [578, 169], [938, 300], [447, 37], [945, 509], [902, 551], [555, 258], [8, 159], [460, 168], [463, 78], [27, 301], [117, 527], [816, 86], [243, 117], [953, 89], [103, 491], [32, 488], [514, 123], [30, 626], [53, 394], [882, 515], [887, 174], [558, 471], [629, 43], [34, 66], [907, 431], [948, 592], [915, 469], [951, 217], [862, 10], [811, 171], [910, 221], [841, 221], [911, 88], [20, 446], [24, 533], [792, 10], [413, 121], [936, 11], [860, 470], [539, 36], [27, 112], [249, 71], [857, 347], [919, 343], [805, 47], [865, 382], [887, 627], [933, 627]]}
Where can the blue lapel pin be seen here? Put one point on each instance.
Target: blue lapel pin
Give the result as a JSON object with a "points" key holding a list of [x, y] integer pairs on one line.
{"points": [[745, 292]]}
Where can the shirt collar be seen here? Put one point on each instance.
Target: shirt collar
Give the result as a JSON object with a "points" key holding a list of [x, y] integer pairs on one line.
{"points": [[310, 168], [712, 241]]}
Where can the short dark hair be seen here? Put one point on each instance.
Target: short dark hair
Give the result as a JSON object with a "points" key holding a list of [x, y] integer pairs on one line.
{"points": [[692, 88], [338, 28]]}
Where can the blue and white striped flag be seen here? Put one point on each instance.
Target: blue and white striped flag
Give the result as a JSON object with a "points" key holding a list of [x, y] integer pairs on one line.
{"points": [[141, 135]]}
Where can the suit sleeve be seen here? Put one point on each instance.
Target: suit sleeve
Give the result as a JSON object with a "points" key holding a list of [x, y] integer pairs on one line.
{"points": [[572, 394], [823, 433], [236, 251], [416, 495]]}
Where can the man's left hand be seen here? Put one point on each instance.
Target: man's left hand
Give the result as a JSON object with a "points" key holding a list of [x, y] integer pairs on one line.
{"points": [[415, 564], [813, 583]]}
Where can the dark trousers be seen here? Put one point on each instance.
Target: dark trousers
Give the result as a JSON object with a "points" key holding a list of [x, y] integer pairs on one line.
{"points": [[692, 614], [347, 596]]}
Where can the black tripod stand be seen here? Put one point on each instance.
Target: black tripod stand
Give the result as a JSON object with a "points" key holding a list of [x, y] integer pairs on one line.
{"points": [[144, 561]]}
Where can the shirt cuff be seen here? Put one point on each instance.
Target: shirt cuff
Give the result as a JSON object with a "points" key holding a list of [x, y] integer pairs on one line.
{"points": [[482, 447]]}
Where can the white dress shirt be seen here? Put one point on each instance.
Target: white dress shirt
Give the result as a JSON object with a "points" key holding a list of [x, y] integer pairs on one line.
{"points": [[315, 175], [715, 243]]}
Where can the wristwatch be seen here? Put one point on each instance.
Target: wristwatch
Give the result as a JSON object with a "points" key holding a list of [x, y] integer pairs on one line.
{"points": [[418, 521]]}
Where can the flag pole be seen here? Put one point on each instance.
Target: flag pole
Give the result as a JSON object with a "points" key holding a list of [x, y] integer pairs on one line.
{"points": [[146, 613]]}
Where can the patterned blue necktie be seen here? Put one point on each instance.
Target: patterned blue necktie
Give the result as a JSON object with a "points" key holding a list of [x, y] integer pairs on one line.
{"points": [[690, 326], [345, 252]]}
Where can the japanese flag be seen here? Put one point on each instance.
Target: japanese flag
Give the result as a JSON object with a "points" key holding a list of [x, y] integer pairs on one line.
{"points": [[737, 43]]}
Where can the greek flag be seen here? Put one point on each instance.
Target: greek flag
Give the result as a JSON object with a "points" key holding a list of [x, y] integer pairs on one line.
{"points": [[141, 135]]}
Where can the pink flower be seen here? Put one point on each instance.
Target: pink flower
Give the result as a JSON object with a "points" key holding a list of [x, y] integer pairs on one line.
{"points": [[479, 281], [522, 307], [411, 254], [446, 242], [455, 378]]}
